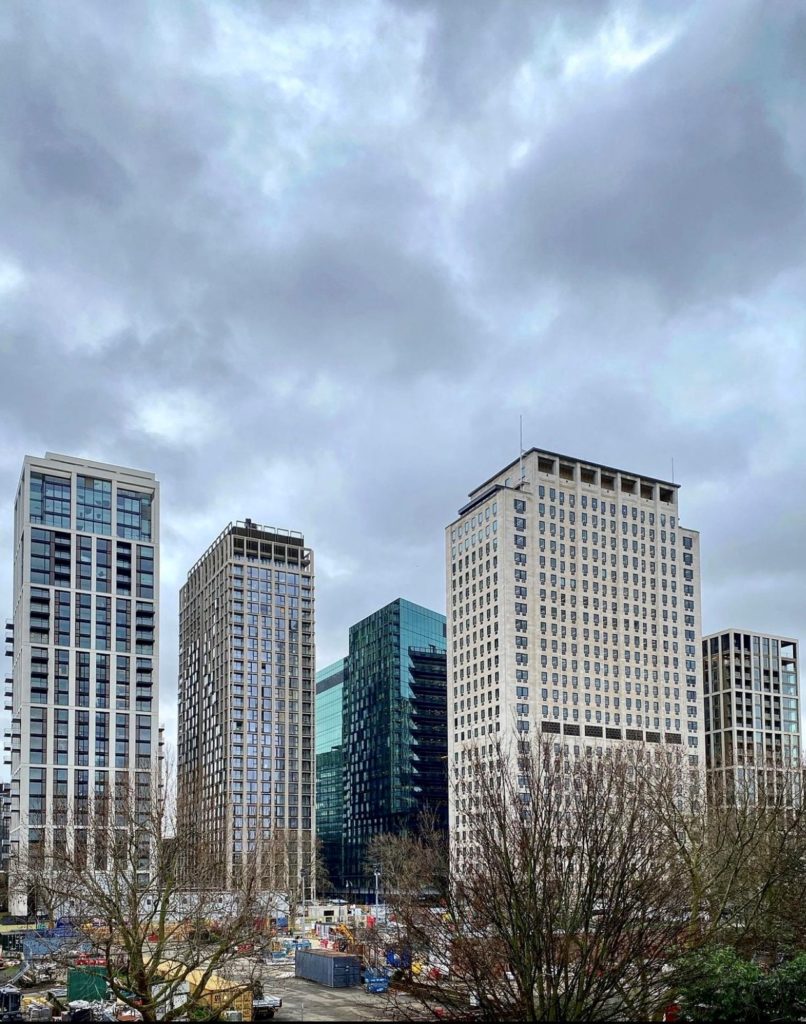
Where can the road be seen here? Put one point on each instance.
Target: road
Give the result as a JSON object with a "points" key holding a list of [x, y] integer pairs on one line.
{"points": [[305, 1000]]}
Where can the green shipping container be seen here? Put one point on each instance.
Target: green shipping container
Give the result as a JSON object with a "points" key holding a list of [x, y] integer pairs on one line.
{"points": [[86, 983]]}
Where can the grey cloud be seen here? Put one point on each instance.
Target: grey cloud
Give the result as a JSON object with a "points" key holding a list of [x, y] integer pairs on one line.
{"points": [[677, 176], [318, 238], [475, 49], [211, 253]]}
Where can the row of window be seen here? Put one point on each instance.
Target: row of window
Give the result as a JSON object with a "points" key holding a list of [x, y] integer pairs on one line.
{"points": [[83, 635], [103, 749], [55, 687], [50, 564], [50, 500]]}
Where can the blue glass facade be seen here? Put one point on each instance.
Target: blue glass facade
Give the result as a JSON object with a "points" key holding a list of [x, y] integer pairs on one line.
{"points": [[330, 767], [394, 727]]}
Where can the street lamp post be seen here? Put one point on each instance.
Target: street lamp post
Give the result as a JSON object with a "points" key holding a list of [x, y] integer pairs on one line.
{"points": [[349, 886]]}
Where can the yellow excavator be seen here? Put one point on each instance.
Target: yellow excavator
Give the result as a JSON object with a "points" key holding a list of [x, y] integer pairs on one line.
{"points": [[345, 937]]}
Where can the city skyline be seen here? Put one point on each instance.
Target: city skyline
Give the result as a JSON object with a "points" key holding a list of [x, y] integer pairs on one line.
{"points": [[591, 217], [334, 645]]}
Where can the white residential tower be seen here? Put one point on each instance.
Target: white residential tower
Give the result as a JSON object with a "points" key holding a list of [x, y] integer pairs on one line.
{"points": [[84, 643]]}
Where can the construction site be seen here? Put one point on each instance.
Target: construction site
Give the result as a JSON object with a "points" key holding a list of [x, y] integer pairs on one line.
{"points": [[325, 970]]}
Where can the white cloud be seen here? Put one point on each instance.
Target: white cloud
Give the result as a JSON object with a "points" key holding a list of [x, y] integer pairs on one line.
{"points": [[11, 276], [622, 47], [176, 417]]}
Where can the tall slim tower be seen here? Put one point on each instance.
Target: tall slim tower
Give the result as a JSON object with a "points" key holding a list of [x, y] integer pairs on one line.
{"points": [[84, 689], [573, 598], [330, 768], [752, 708], [246, 702]]}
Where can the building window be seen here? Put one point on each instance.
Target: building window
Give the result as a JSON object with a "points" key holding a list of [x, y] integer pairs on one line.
{"points": [[122, 682], [50, 500], [94, 505], [84, 563], [38, 734], [103, 566], [62, 618], [102, 680], [121, 741], [123, 629], [82, 680], [83, 621], [62, 678], [134, 515], [145, 571], [61, 725], [82, 738], [103, 622], [39, 675]]}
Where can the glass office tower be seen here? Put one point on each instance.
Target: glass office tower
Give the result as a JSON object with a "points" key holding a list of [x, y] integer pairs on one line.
{"points": [[395, 728], [330, 767]]}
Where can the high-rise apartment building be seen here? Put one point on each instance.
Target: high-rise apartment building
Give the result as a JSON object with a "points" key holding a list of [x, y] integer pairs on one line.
{"points": [[752, 706], [330, 767], [573, 598], [85, 646], [394, 727], [246, 702]]}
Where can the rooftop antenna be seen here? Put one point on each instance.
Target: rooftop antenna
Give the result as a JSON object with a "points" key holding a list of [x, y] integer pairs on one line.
{"points": [[520, 457], [673, 469]]}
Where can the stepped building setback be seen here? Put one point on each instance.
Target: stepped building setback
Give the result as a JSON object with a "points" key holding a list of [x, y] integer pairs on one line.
{"points": [[573, 597]]}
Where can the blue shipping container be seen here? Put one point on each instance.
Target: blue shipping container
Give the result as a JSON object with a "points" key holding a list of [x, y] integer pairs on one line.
{"points": [[327, 967]]}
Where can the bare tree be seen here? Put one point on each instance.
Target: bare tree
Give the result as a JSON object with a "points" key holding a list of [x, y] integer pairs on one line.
{"points": [[167, 935], [578, 885], [738, 852], [286, 863]]}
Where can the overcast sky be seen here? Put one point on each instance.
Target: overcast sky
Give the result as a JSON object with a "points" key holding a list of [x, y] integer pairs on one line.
{"points": [[309, 262]]}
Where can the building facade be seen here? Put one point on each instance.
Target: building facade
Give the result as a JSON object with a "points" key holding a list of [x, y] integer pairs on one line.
{"points": [[330, 768], [752, 707], [246, 703], [573, 598], [84, 691], [394, 728]]}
